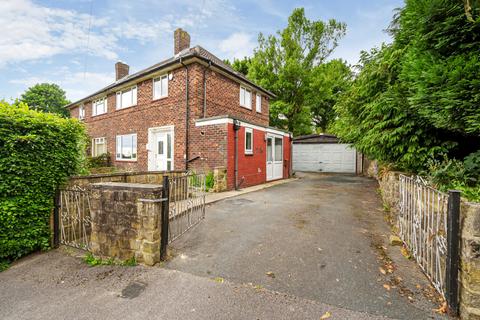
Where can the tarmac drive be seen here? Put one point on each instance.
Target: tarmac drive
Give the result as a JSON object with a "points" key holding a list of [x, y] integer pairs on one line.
{"points": [[292, 251]]}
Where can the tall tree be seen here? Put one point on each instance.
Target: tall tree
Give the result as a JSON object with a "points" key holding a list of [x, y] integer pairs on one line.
{"points": [[46, 97], [327, 82], [416, 100], [240, 65], [283, 64]]}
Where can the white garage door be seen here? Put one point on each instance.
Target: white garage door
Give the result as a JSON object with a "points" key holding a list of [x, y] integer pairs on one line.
{"points": [[324, 157]]}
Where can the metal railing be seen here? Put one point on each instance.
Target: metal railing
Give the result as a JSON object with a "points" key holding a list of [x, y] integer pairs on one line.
{"points": [[186, 203], [75, 224], [428, 225]]}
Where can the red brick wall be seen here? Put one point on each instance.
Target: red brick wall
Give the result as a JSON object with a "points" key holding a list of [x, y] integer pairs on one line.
{"points": [[210, 144], [146, 114], [223, 97]]}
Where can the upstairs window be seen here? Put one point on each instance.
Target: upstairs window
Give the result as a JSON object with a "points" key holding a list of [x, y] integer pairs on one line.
{"points": [[126, 147], [127, 98], [99, 106], [81, 112], [258, 103], [248, 141], [245, 98], [160, 87], [99, 146]]}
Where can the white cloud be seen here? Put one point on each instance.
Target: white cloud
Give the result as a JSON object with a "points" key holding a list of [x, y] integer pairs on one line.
{"points": [[237, 45], [32, 32], [77, 85]]}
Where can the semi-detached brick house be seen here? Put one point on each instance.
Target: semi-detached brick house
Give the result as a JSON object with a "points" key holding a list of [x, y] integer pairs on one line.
{"points": [[187, 113]]}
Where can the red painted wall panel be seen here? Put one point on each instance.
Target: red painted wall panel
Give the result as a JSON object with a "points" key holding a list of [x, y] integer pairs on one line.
{"points": [[251, 168]]}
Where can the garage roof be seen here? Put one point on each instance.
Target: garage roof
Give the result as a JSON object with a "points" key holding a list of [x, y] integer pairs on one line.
{"points": [[316, 138]]}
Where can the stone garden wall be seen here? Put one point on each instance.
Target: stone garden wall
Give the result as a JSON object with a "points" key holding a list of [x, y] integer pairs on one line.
{"points": [[126, 221], [470, 242]]}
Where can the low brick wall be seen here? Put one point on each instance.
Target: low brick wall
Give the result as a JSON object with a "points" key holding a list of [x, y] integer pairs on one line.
{"points": [[126, 221], [470, 244]]}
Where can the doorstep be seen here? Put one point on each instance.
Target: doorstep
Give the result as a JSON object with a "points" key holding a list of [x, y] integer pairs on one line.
{"points": [[214, 197]]}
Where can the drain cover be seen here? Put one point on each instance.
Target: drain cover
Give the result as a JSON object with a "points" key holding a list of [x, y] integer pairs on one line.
{"points": [[133, 290]]}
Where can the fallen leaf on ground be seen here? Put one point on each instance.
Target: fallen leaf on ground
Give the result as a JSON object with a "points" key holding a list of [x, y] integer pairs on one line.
{"points": [[405, 253], [219, 279], [270, 274], [382, 271], [443, 308], [326, 315], [386, 286]]}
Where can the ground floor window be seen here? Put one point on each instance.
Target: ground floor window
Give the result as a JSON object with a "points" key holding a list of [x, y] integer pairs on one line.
{"points": [[248, 141], [99, 146], [126, 147]]}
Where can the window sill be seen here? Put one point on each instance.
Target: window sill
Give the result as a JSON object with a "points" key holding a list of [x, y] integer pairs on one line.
{"points": [[245, 107], [118, 109], [249, 153], [98, 114], [158, 99]]}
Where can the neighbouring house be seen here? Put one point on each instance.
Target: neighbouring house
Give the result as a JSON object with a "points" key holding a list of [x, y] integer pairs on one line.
{"points": [[189, 112]]}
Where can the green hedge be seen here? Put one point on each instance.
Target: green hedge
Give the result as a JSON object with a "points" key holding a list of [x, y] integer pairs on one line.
{"points": [[38, 151]]}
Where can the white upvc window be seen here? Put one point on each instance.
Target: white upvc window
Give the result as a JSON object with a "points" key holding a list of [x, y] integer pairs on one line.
{"points": [[127, 98], [245, 97], [99, 106], [248, 141], [258, 103], [160, 87], [126, 148], [99, 146], [81, 112]]}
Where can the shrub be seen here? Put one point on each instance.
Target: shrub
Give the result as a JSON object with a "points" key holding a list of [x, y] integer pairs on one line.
{"points": [[100, 161], [38, 151], [454, 174], [209, 181]]}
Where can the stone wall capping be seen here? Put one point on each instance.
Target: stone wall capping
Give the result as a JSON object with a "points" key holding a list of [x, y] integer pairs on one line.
{"points": [[127, 186]]}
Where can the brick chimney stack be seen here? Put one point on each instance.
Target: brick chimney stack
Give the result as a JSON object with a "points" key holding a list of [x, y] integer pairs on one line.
{"points": [[121, 70], [181, 40]]}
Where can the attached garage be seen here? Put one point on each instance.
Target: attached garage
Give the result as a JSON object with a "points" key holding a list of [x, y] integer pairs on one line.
{"points": [[323, 153]]}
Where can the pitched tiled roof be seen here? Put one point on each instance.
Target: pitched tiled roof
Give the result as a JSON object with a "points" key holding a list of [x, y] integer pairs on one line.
{"points": [[196, 51]]}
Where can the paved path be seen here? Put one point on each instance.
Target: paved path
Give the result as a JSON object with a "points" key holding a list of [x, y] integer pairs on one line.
{"points": [[322, 237]]}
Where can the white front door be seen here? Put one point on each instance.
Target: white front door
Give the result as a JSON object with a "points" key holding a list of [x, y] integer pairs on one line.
{"points": [[160, 149], [274, 157]]}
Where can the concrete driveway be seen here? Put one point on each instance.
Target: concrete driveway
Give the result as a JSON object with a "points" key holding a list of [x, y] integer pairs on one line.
{"points": [[293, 251], [321, 237]]}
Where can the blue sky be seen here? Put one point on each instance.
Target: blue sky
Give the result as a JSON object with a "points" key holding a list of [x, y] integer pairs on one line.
{"points": [[75, 43]]}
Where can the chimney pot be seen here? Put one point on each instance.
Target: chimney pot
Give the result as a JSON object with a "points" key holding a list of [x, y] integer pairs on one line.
{"points": [[121, 70], [181, 40]]}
